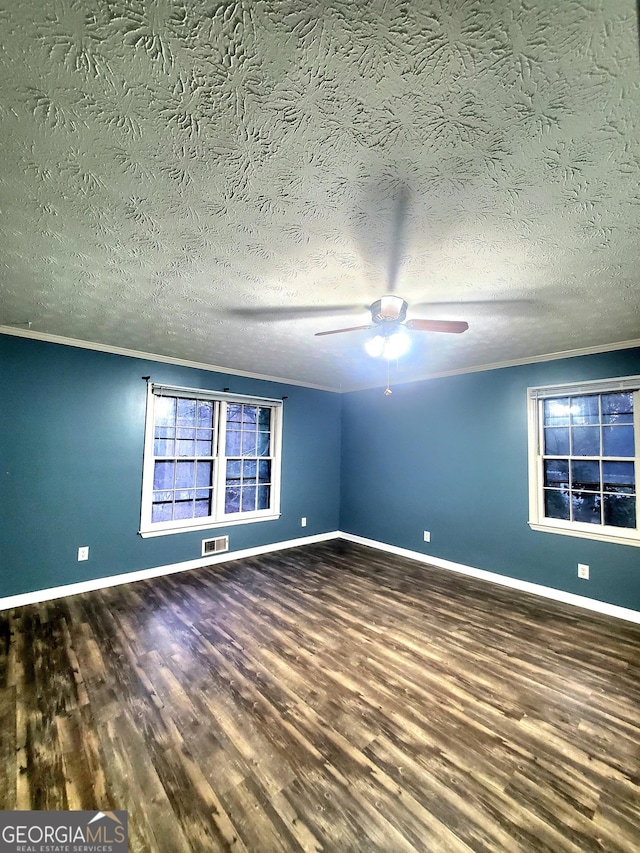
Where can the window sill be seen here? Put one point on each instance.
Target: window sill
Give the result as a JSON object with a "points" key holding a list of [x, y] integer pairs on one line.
{"points": [[149, 532], [609, 535]]}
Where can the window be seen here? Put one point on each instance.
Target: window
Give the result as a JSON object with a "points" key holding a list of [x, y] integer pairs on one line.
{"points": [[583, 459], [209, 459]]}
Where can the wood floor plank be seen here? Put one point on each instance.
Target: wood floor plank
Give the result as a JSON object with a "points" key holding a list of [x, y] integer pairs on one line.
{"points": [[326, 698]]}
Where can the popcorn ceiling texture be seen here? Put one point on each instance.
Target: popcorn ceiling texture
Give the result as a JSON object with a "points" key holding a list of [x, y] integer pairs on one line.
{"points": [[168, 165]]}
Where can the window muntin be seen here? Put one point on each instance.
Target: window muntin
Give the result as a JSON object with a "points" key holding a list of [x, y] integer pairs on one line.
{"points": [[584, 460], [586, 442], [208, 460], [248, 447], [184, 459]]}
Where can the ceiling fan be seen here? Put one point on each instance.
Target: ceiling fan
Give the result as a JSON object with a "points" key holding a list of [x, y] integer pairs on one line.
{"points": [[389, 313], [389, 316]]}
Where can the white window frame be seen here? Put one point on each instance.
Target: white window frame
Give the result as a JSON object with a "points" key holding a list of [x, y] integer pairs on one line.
{"points": [[537, 519], [218, 517]]}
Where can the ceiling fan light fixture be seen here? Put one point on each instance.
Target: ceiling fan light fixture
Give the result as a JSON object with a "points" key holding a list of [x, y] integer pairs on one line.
{"points": [[391, 346], [396, 345], [374, 346]]}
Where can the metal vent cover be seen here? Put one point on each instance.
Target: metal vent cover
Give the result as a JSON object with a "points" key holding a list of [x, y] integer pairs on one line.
{"points": [[215, 546]]}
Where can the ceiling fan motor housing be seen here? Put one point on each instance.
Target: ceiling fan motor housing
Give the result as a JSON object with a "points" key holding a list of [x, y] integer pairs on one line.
{"points": [[389, 309]]}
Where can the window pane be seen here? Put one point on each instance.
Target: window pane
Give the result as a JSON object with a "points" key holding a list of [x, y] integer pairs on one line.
{"points": [[556, 472], [556, 504], [185, 448], [585, 475], [163, 475], [556, 441], [203, 473], [248, 443], [264, 470], [264, 444], [585, 507], [183, 510], [185, 474], [205, 413], [249, 469], [618, 476], [249, 414], [163, 447], [202, 508], [556, 412], [185, 494], [248, 498], [203, 448], [186, 415], [234, 468], [620, 511], [584, 410], [234, 413], [165, 432], [165, 411], [585, 441], [264, 494], [185, 432], [232, 500], [233, 443], [264, 418], [163, 496], [161, 512], [617, 408], [617, 441]]}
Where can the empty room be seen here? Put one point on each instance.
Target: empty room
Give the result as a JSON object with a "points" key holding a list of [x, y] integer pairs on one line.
{"points": [[320, 426]]}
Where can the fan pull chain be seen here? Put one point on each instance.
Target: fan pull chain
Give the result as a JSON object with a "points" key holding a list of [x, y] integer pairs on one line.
{"points": [[388, 390]]}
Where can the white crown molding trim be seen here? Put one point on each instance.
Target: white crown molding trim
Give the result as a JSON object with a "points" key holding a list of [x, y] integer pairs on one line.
{"points": [[515, 362], [181, 362], [51, 593], [149, 356], [503, 580]]}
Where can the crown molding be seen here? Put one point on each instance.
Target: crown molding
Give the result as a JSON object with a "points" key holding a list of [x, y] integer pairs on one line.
{"points": [[213, 368], [149, 356], [515, 362]]}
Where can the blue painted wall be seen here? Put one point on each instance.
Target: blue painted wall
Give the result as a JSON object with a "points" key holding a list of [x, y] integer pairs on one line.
{"points": [[450, 456], [71, 442], [446, 455]]}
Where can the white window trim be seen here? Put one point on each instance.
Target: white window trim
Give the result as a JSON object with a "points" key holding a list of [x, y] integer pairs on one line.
{"points": [[218, 518], [537, 520]]}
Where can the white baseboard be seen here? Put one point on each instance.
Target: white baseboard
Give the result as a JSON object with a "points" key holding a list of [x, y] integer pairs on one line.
{"points": [[158, 571], [155, 572], [503, 580]]}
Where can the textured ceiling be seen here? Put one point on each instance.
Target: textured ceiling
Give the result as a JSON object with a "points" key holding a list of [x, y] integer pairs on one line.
{"points": [[171, 167]]}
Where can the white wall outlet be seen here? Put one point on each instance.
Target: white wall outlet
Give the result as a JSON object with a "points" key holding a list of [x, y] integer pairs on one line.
{"points": [[427, 536], [303, 521], [83, 553], [583, 571]]}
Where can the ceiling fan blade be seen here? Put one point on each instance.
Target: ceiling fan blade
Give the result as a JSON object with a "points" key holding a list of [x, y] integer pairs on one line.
{"points": [[273, 313], [339, 331], [453, 326], [397, 238], [463, 304]]}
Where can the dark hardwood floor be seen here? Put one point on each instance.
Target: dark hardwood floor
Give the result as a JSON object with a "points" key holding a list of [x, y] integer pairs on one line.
{"points": [[326, 698]]}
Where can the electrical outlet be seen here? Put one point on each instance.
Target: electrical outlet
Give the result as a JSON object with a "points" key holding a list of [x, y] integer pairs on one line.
{"points": [[303, 521], [83, 553], [427, 536], [583, 571]]}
